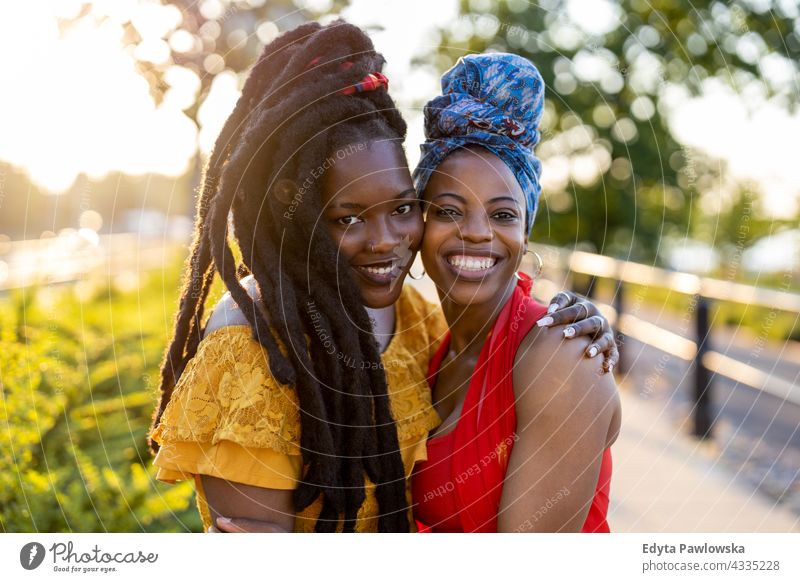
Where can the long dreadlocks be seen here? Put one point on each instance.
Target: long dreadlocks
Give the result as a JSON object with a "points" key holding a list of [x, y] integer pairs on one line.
{"points": [[289, 118]]}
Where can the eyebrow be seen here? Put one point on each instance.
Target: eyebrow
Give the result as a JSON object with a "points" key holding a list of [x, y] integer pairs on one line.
{"points": [[404, 195], [501, 198], [464, 200], [451, 195]]}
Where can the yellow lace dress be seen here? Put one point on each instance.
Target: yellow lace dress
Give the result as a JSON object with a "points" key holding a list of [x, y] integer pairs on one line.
{"points": [[229, 418]]}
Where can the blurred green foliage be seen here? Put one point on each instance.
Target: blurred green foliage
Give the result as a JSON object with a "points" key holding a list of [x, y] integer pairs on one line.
{"points": [[79, 369], [609, 94]]}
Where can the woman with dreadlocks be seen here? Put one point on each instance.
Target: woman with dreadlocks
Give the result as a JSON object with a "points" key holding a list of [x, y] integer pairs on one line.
{"points": [[303, 402]]}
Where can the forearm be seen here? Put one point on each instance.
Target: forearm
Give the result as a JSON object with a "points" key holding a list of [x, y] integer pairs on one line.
{"points": [[273, 508]]}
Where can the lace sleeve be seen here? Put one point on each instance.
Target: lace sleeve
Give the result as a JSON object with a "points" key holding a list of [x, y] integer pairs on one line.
{"points": [[229, 417]]}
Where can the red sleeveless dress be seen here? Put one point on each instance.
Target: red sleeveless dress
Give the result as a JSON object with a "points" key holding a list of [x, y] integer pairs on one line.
{"points": [[458, 488]]}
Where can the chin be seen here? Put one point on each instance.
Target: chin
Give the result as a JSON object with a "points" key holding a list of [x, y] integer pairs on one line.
{"points": [[384, 296], [469, 294]]}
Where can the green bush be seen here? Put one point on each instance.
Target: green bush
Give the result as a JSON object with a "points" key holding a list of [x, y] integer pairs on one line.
{"points": [[78, 384]]}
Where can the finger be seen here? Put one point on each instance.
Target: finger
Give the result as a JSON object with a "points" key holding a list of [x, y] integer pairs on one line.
{"points": [[591, 327], [612, 359], [244, 525], [227, 524], [563, 316], [602, 345], [561, 300]]}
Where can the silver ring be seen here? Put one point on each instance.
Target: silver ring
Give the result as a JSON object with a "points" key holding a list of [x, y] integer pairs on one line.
{"points": [[582, 304], [568, 298]]}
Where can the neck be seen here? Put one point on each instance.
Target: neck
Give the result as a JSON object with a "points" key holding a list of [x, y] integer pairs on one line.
{"points": [[382, 324], [469, 324]]}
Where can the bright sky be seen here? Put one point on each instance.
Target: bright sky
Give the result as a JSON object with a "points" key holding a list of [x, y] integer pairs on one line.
{"points": [[759, 139], [72, 101]]}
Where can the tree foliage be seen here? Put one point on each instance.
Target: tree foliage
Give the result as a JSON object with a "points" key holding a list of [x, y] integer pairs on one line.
{"points": [[610, 93]]}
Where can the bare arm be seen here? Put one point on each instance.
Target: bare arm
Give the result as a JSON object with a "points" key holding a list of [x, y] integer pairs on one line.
{"points": [[568, 413], [249, 503]]}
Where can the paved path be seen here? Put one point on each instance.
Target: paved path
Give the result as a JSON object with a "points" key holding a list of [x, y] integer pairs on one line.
{"points": [[665, 481]]}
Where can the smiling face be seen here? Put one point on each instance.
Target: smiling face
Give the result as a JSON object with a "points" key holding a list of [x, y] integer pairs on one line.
{"points": [[372, 214], [474, 228]]}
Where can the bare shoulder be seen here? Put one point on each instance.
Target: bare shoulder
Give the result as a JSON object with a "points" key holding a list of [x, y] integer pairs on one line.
{"points": [[226, 312], [552, 376]]}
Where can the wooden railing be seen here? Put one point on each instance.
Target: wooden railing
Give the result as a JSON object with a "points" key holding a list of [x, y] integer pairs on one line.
{"points": [[697, 349], [70, 258]]}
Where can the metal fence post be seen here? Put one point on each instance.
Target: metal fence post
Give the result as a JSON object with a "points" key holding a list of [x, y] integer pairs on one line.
{"points": [[703, 423], [619, 337], [590, 287]]}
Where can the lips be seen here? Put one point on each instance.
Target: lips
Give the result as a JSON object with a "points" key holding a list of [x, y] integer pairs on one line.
{"points": [[379, 273]]}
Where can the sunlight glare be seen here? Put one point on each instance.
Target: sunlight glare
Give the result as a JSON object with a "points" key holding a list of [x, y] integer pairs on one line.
{"points": [[74, 102]]}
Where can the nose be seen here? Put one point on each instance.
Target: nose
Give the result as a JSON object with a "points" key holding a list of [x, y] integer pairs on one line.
{"points": [[476, 227], [382, 237]]}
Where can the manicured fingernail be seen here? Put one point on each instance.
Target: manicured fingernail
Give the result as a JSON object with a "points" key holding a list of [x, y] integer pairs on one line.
{"points": [[592, 351], [552, 308], [569, 332], [225, 520], [545, 321]]}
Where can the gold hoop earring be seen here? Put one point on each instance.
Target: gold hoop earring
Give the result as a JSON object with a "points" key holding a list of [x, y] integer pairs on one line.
{"points": [[537, 273], [416, 278], [539, 267]]}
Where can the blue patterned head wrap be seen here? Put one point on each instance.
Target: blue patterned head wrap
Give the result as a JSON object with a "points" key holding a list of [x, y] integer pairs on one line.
{"points": [[495, 101]]}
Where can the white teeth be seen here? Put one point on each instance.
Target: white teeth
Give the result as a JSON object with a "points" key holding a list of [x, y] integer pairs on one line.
{"points": [[472, 263], [378, 270]]}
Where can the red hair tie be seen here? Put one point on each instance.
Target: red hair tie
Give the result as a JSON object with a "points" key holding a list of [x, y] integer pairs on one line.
{"points": [[371, 82]]}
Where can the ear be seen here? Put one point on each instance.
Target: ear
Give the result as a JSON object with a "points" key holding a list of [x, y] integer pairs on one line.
{"points": [[522, 256], [284, 190]]}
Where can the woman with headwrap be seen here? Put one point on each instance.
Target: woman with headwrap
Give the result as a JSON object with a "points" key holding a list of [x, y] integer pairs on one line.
{"points": [[524, 444]]}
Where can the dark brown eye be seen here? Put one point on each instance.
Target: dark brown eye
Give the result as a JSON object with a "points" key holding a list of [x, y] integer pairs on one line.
{"points": [[404, 209], [349, 220], [447, 212], [504, 215]]}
